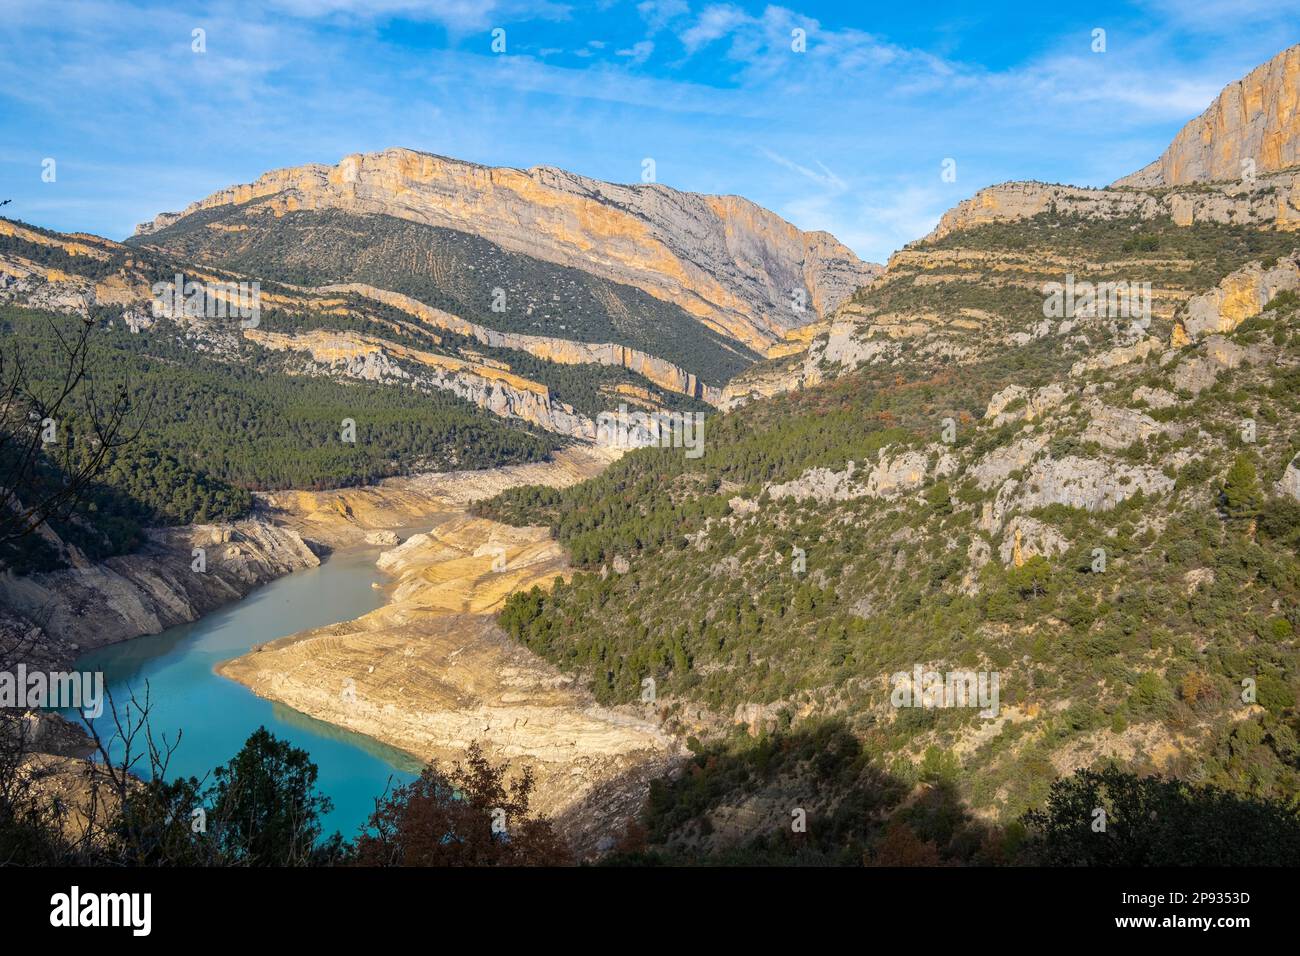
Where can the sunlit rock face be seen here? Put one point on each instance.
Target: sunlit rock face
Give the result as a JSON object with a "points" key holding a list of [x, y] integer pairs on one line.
{"points": [[1239, 296], [736, 267], [1252, 128]]}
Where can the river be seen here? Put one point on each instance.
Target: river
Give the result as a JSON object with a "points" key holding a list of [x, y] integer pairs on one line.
{"points": [[217, 715]]}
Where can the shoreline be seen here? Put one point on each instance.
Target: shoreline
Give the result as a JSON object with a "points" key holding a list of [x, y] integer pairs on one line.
{"points": [[429, 673], [79, 609]]}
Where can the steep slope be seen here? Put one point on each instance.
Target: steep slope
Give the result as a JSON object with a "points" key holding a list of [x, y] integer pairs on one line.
{"points": [[453, 273], [1253, 127], [353, 332], [1094, 500], [1116, 540]]}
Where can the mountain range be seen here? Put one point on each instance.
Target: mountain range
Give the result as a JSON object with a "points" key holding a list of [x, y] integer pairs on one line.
{"points": [[926, 467]]}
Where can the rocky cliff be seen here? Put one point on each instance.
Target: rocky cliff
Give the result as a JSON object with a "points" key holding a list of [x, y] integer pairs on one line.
{"points": [[1239, 296], [731, 264], [1253, 127], [548, 348], [1272, 200], [1238, 163], [115, 276], [377, 360]]}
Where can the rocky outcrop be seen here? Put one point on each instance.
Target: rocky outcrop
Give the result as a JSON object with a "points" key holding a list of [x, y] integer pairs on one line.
{"points": [[1254, 125], [996, 467], [731, 264], [1200, 369], [896, 474], [1240, 296], [763, 380], [551, 349], [1289, 483], [1154, 397], [1026, 538], [1114, 358], [1087, 483], [498, 391], [1017, 403], [891, 475], [1115, 428], [815, 484], [155, 588]]}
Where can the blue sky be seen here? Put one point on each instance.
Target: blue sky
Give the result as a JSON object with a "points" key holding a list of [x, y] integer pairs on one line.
{"points": [[849, 135]]}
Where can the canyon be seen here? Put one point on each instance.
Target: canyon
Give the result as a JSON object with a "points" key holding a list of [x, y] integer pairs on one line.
{"points": [[926, 464]]}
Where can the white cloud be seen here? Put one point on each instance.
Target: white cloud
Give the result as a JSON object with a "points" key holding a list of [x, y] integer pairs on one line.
{"points": [[1214, 15], [638, 52], [658, 14], [714, 23], [873, 222], [763, 49], [1119, 83]]}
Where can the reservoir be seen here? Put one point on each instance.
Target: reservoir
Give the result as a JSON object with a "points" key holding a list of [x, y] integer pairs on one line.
{"points": [[214, 716]]}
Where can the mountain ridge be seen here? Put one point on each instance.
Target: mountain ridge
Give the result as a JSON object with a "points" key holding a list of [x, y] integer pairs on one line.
{"points": [[742, 277]]}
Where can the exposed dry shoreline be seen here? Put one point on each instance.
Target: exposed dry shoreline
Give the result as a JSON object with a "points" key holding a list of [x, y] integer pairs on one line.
{"points": [[430, 672], [344, 517], [55, 616]]}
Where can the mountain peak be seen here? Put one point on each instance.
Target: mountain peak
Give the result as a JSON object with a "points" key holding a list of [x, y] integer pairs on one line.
{"points": [[731, 264], [1254, 120]]}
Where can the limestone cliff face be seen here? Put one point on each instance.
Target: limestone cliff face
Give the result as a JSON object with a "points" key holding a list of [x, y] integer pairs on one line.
{"points": [[773, 377], [1255, 120], [1240, 296], [488, 383], [152, 589], [733, 265], [562, 351], [1272, 200], [496, 390]]}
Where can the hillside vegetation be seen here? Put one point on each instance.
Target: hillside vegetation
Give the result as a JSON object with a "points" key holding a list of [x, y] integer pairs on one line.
{"points": [[1076, 508], [456, 272], [208, 430]]}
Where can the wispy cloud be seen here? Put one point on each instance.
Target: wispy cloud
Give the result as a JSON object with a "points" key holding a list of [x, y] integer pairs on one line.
{"points": [[638, 52], [824, 178], [455, 14], [659, 14], [841, 127]]}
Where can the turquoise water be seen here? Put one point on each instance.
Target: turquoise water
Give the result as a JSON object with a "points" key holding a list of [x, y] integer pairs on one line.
{"points": [[214, 716]]}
